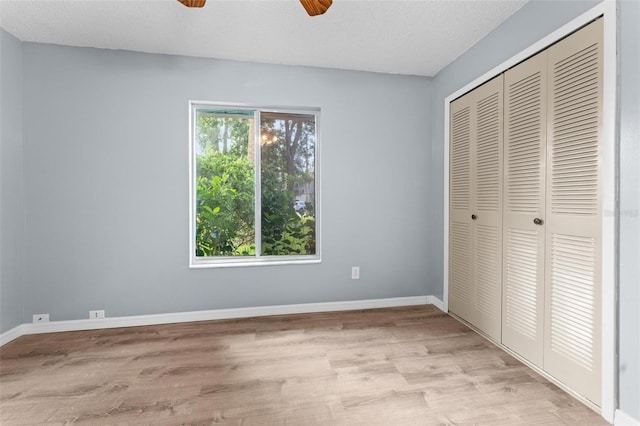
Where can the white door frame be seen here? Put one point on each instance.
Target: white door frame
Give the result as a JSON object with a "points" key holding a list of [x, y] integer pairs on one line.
{"points": [[607, 9]]}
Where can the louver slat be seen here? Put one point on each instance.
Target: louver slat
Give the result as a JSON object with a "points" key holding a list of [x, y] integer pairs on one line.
{"points": [[572, 298], [487, 270], [460, 159], [488, 153], [574, 188], [521, 282], [459, 280], [523, 150]]}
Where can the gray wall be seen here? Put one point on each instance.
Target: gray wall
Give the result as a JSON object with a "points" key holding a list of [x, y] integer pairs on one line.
{"points": [[629, 335], [531, 23], [11, 212], [106, 184]]}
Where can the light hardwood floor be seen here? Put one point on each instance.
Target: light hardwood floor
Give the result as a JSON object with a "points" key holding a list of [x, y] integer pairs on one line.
{"points": [[397, 366]]}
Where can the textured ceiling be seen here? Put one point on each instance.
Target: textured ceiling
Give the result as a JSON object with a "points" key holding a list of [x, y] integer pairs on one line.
{"points": [[417, 37]]}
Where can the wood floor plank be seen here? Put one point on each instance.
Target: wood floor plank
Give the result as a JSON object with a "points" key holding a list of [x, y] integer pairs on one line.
{"points": [[396, 366]]}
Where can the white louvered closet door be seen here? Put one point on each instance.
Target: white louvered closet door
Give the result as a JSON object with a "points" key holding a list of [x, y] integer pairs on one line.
{"points": [[460, 271], [572, 343], [486, 202], [475, 234], [525, 135]]}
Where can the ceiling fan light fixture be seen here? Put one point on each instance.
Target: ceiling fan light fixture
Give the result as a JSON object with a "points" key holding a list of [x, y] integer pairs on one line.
{"points": [[316, 7], [193, 3]]}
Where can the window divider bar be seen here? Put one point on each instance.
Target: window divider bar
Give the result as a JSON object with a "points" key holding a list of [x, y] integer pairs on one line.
{"points": [[257, 157]]}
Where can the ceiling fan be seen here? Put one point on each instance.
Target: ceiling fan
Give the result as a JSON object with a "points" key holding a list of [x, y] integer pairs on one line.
{"points": [[313, 7]]}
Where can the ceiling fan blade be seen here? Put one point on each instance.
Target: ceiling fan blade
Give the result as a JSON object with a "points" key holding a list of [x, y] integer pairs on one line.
{"points": [[316, 7], [313, 7], [193, 3]]}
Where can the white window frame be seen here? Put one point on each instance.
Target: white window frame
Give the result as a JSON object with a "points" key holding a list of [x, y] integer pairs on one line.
{"points": [[258, 259]]}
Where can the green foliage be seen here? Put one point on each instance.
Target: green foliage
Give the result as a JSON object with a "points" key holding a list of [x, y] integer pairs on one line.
{"points": [[225, 187], [218, 133], [225, 205], [284, 230]]}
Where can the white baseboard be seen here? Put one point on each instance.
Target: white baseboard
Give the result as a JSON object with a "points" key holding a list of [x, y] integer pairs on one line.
{"points": [[13, 334], [433, 300], [623, 419], [258, 311]]}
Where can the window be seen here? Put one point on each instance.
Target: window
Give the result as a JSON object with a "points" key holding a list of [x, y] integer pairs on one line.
{"points": [[253, 186]]}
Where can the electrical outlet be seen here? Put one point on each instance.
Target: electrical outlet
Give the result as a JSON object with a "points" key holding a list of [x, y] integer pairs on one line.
{"points": [[355, 272], [96, 314], [40, 318]]}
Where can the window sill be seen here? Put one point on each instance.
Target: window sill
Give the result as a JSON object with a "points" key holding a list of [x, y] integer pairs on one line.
{"points": [[245, 262]]}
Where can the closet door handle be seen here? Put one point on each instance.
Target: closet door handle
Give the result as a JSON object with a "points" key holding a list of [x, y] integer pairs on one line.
{"points": [[474, 217], [537, 221]]}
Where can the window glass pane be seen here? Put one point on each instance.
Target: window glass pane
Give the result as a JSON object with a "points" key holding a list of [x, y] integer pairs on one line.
{"points": [[225, 182], [287, 150]]}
